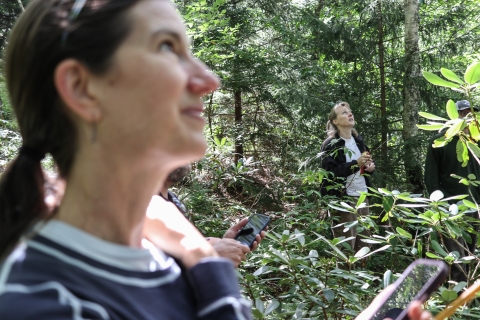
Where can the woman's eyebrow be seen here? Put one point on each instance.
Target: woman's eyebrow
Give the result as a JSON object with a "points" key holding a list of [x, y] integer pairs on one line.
{"points": [[172, 33]]}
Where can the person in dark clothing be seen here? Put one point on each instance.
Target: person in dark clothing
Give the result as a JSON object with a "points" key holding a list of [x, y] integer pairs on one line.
{"points": [[173, 177], [440, 163], [348, 158]]}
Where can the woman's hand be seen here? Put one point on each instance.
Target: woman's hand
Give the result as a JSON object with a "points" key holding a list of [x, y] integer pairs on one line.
{"points": [[231, 249], [415, 311], [369, 166], [167, 228], [364, 158], [233, 231]]}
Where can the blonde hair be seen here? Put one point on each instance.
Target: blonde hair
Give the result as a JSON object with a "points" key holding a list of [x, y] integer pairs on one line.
{"points": [[331, 127]]}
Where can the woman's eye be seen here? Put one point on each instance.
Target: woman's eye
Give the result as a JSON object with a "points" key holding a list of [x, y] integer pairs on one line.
{"points": [[167, 46]]}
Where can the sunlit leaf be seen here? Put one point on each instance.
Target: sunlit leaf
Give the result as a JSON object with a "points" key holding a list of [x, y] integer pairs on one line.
{"points": [[436, 80], [430, 127], [403, 233], [411, 205], [474, 131], [454, 129], [436, 195], [409, 199], [384, 191], [431, 116], [453, 209], [462, 152], [261, 270], [459, 197], [433, 256], [378, 250], [339, 208], [469, 204], [371, 241], [440, 142], [472, 74], [344, 240], [387, 278], [346, 205], [300, 237], [452, 110], [450, 75], [360, 253], [474, 148], [361, 199]]}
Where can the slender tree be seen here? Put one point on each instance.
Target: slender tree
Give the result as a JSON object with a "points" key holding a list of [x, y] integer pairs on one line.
{"points": [[411, 102]]}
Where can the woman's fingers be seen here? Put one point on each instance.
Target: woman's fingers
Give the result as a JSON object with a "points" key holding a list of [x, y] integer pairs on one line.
{"points": [[415, 312], [364, 158]]}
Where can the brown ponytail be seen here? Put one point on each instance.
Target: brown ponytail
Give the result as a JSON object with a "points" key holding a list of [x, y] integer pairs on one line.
{"points": [[21, 199], [34, 50]]}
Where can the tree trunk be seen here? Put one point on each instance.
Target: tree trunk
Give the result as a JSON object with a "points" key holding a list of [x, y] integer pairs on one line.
{"points": [[411, 101], [238, 126], [210, 111], [383, 95]]}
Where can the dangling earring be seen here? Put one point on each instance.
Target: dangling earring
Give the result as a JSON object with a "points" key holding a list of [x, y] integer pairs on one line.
{"points": [[94, 132]]}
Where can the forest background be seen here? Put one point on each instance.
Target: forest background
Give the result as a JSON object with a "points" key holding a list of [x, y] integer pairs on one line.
{"points": [[283, 65]]}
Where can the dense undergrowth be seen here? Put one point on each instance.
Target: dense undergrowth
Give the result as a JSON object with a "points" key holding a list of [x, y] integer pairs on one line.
{"points": [[300, 271]]}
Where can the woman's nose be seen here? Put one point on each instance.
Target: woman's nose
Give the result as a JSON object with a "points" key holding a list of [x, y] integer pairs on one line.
{"points": [[203, 80]]}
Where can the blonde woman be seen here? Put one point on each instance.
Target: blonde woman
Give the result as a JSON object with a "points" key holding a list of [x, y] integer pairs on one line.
{"points": [[346, 156]]}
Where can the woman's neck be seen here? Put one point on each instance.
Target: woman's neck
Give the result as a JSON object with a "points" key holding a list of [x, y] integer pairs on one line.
{"points": [[345, 133], [109, 199]]}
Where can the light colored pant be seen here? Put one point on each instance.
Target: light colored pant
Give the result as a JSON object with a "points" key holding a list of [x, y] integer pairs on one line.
{"points": [[344, 217]]}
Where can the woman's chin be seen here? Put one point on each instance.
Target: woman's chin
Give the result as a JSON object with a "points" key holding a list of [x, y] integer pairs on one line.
{"points": [[197, 148]]}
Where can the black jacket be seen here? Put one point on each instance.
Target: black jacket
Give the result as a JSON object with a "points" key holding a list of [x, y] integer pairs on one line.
{"points": [[441, 162], [334, 160]]}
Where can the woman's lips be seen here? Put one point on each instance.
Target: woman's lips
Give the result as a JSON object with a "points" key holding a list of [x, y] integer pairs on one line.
{"points": [[194, 112]]}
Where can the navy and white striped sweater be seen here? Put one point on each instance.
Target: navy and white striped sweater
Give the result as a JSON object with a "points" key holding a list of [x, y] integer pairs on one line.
{"points": [[65, 273]]}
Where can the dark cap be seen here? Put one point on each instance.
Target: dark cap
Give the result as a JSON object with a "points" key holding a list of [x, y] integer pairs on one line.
{"points": [[462, 105]]}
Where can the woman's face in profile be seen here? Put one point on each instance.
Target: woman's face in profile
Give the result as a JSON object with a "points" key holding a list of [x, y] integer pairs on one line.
{"points": [[152, 96]]}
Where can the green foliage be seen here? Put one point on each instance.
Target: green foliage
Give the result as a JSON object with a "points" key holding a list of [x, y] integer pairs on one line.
{"points": [[300, 270], [291, 61], [468, 139], [299, 273]]}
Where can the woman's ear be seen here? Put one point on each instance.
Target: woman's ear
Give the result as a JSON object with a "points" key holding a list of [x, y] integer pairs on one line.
{"points": [[71, 80]]}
